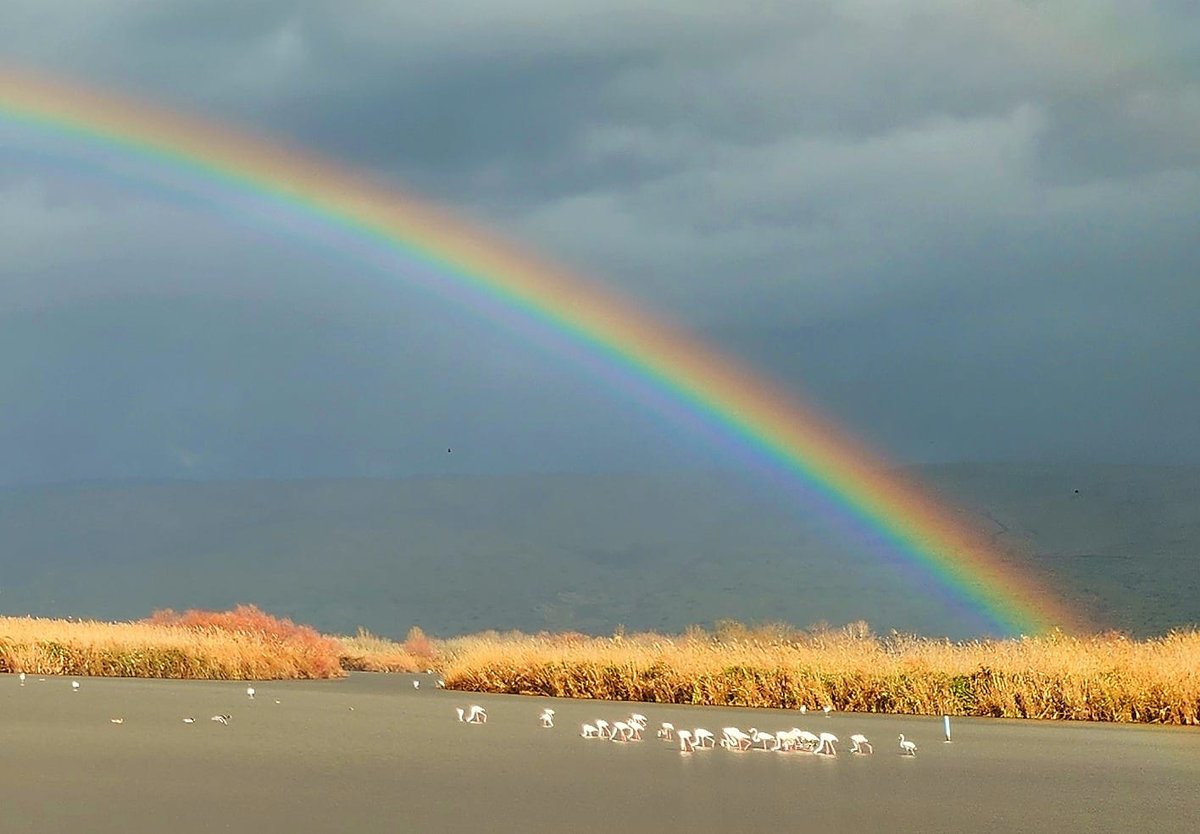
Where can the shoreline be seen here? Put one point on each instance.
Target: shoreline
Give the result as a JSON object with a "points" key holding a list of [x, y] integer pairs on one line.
{"points": [[427, 683]]}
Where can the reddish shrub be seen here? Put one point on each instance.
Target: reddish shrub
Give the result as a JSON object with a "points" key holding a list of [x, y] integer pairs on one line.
{"points": [[420, 646], [317, 655]]}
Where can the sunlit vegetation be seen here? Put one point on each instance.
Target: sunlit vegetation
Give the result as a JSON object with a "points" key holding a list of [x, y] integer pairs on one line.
{"points": [[243, 644], [1106, 677], [1098, 678], [366, 652]]}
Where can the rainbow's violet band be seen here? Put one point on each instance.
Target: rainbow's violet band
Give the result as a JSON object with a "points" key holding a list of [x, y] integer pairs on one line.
{"points": [[952, 557]]}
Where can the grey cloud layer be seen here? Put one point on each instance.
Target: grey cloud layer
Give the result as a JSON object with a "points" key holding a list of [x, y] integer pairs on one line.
{"points": [[1011, 189]]}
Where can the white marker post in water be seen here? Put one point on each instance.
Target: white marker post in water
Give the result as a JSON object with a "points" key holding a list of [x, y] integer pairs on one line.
{"points": [[946, 719]]}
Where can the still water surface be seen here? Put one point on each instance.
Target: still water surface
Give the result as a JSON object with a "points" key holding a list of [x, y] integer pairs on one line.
{"points": [[372, 754]]}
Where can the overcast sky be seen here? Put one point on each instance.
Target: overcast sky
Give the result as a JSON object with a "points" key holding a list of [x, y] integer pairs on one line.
{"points": [[968, 231]]}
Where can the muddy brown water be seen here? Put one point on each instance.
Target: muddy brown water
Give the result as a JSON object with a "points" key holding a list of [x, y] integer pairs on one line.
{"points": [[370, 754]]}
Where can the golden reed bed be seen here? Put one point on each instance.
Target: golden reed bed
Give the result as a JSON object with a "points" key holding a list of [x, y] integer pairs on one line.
{"points": [[1097, 678], [243, 644], [1101, 678]]}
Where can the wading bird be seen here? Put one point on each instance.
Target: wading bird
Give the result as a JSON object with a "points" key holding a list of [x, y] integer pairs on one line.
{"points": [[476, 715], [788, 739], [861, 745], [825, 746], [74, 686], [703, 736], [588, 731], [733, 737], [907, 748], [250, 692], [22, 676], [828, 709], [667, 731], [223, 718], [602, 728], [547, 718], [808, 741], [622, 729], [685, 742], [757, 736]]}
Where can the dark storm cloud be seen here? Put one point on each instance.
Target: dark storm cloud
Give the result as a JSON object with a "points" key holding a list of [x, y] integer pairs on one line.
{"points": [[945, 207]]}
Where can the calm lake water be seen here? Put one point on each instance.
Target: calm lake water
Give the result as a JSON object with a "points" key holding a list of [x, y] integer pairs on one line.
{"points": [[372, 754]]}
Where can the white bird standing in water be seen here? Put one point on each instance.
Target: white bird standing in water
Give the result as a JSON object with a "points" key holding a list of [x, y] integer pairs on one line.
{"points": [[588, 731], [416, 684], [476, 715], [22, 676], [667, 731], [74, 686], [547, 718], [733, 737], [702, 735], [221, 719], [250, 692], [828, 709], [788, 739], [685, 742], [826, 748], [756, 736], [907, 748], [861, 745]]}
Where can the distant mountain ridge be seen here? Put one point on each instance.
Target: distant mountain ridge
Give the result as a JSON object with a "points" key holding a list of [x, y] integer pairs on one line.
{"points": [[584, 552]]}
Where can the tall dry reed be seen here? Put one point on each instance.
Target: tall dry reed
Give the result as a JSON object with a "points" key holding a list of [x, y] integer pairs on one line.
{"points": [[366, 652], [243, 644], [1098, 678]]}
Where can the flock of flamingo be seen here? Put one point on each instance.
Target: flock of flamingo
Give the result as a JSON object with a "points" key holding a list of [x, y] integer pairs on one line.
{"points": [[632, 728], [732, 738]]}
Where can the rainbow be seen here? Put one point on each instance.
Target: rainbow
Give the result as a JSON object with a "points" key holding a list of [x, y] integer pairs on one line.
{"points": [[951, 558]]}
